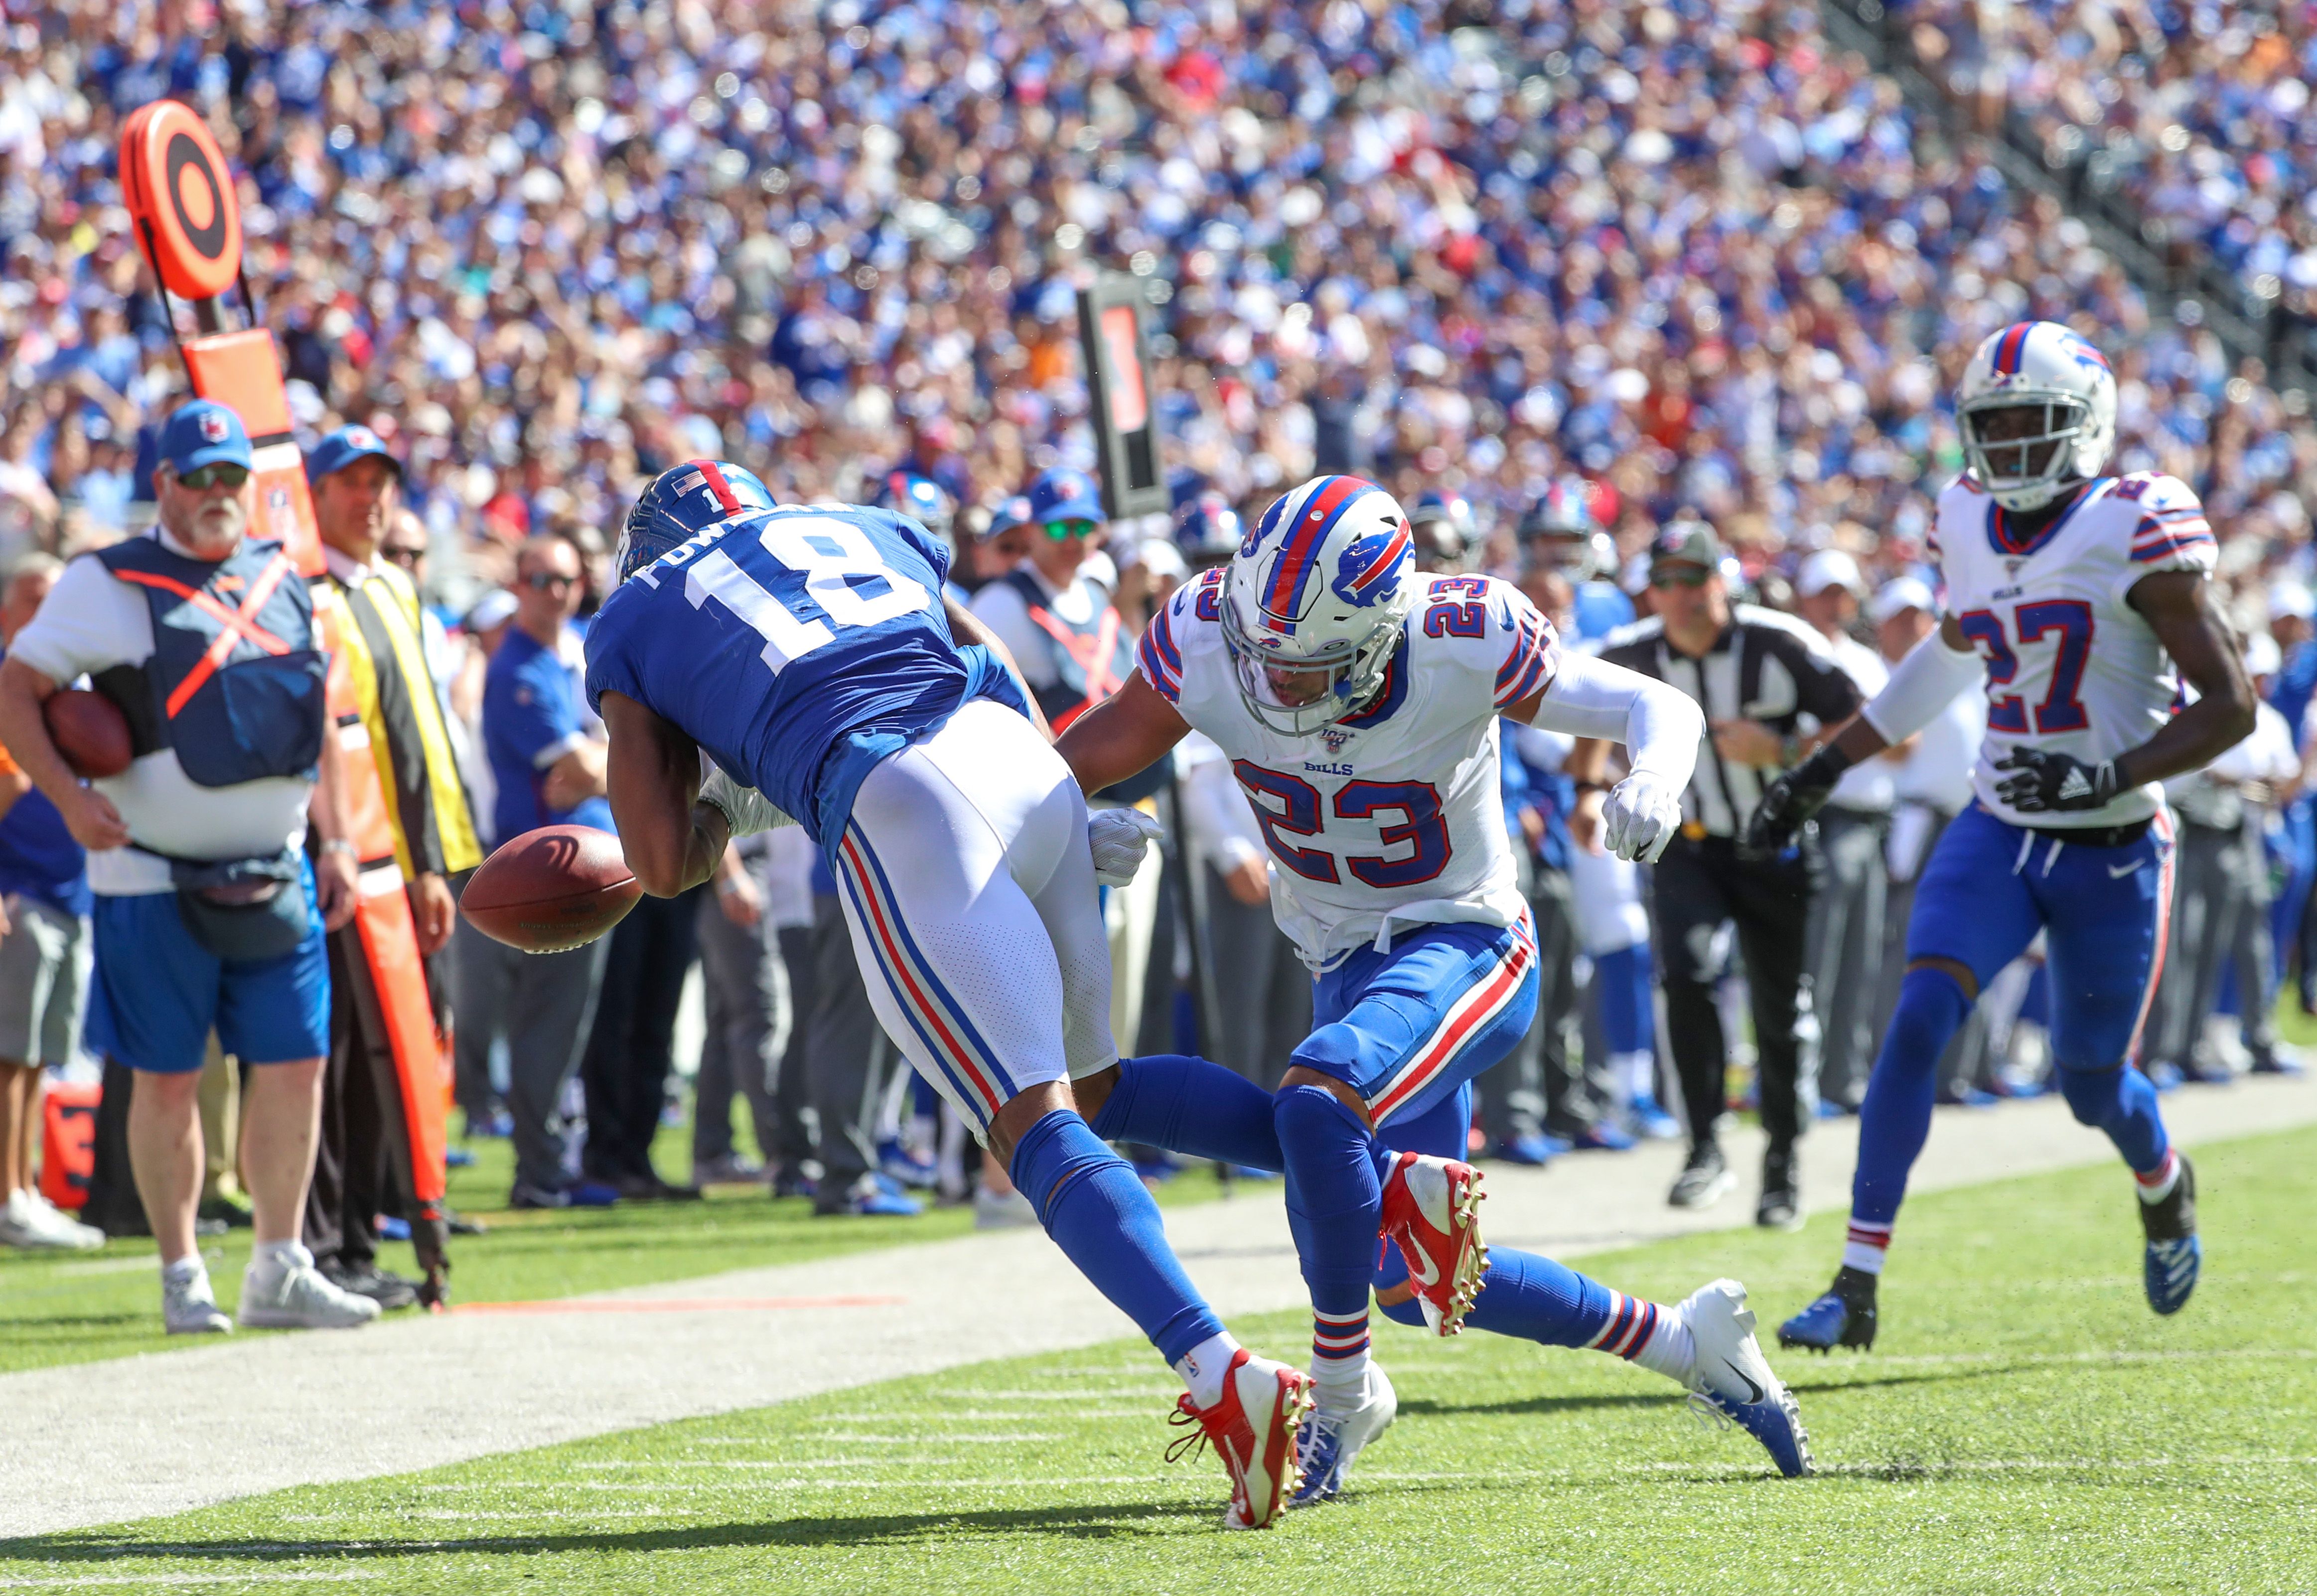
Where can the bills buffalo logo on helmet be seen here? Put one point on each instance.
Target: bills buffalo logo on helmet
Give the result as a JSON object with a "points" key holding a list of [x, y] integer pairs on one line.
{"points": [[214, 426], [1368, 571]]}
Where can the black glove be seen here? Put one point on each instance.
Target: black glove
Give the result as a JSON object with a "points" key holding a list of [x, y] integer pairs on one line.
{"points": [[2044, 781], [1788, 803]]}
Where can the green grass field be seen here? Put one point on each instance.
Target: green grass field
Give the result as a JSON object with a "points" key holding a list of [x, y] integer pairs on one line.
{"points": [[2025, 1425]]}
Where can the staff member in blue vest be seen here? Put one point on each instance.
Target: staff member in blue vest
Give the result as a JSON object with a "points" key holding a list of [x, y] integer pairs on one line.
{"points": [[208, 912], [1074, 649]]}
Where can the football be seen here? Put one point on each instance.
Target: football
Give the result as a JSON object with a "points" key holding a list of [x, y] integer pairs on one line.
{"points": [[89, 731], [551, 890]]}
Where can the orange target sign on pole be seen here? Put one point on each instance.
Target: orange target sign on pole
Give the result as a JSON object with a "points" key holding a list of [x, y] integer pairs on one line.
{"points": [[175, 182]]}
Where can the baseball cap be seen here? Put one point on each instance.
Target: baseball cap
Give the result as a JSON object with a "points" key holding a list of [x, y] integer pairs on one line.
{"points": [[2262, 657], [492, 608], [1901, 594], [1687, 542], [1830, 568], [1015, 512], [1065, 495], [203, 433], [2293, 599], [343, 447]]}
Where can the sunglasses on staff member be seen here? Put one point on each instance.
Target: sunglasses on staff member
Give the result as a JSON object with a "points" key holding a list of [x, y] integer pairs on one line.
{"points": [[548, 581], [1059, 529], [1682, 575], [405, 555], [216, 474]]}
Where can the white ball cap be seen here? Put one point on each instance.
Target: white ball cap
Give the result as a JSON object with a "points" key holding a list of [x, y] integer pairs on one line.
{"points": [[1900, 594], [2293, 599], [1830, 568]]}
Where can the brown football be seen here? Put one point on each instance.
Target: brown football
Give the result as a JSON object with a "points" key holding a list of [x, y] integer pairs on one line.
{"points": [[90, 732], [551, 890]]}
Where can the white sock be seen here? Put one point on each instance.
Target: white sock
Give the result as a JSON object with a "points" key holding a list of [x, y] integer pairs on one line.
{"points": [[272, 1259], [1668, 1349], [2158, 1184], [1648, 1334], [1865, 1246], [184, 1271], [1206, 1366]]}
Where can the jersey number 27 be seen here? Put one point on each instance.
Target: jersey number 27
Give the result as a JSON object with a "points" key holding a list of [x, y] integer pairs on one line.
{"points": [[2068, 623], [825, 557]]}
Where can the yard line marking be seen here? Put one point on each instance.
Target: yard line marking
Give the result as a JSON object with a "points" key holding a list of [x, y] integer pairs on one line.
{"points": [[678, 1304], [243, 1578]]}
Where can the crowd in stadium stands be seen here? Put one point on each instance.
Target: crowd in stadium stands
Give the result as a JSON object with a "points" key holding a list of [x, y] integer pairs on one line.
{"points": [[2202, 113], [1648, 260]]}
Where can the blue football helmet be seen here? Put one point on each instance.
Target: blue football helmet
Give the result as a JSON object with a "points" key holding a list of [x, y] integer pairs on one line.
{"points": [[1207, 529], [921, 498], [1446, 534], [1562, 531], [682, 502]]}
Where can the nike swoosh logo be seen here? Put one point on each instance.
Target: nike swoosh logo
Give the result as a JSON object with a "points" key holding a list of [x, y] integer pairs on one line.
{"points": [[2115, 875], [1759, 1393], [1430, 1274]]}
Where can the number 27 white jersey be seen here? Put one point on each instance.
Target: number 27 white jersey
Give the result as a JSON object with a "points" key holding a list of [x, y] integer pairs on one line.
{"points": [[2071, 665], [1393, 818]]}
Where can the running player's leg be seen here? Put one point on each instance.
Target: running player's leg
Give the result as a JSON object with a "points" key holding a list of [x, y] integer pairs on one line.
{"points": [[949, 842], [2107, 912], [1973, 914]]}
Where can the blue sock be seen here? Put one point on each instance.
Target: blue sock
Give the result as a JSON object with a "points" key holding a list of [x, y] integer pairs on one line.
{"points": [[1896, 1116], [1628, 1025], [1192, 1107], [2122, 1102], [1103, 1218], [1529, 1296], [1334, 1195]]}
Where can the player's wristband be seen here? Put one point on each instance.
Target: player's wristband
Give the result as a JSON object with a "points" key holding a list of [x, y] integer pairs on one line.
{"points": [[339, 845]]}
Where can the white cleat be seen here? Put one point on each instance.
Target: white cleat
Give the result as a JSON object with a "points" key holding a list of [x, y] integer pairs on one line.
{"points": [[189, 1307], [1432, 1211], [1335, 1436], [1253, 1427], [1731, 1380], [300, 1299], [1003, 1210]]}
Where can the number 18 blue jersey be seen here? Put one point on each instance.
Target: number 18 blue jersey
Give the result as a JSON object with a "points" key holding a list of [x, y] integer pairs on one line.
{"points": [[799, 646]]}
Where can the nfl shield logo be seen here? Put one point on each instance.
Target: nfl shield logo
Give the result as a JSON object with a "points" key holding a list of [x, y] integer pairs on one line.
{"points": [[213, 425], [1335, 737]]}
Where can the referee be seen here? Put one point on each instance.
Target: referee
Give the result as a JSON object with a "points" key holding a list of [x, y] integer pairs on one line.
{"points": [[1755, 673]]}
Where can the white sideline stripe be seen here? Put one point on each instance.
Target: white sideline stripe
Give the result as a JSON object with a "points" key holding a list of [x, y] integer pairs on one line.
{"points": [[257, 1413]]}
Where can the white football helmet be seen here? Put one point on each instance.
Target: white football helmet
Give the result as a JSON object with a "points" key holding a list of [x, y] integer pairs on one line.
{"points": [[1323, 583], [2029, 364]]}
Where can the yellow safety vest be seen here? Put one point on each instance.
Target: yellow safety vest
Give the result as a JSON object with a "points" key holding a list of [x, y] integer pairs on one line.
{"points": [[386, 661]]}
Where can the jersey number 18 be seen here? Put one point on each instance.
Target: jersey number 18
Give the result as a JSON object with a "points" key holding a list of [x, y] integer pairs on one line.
{"points": [[824, 559]]}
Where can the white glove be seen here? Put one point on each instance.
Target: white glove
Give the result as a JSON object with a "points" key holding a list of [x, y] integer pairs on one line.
{"points": [[747, 811], [1640, 816], [1119, 839]]}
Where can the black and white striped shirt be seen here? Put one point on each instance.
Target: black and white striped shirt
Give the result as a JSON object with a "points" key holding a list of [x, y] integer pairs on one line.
{"points": [[1766, 666]]}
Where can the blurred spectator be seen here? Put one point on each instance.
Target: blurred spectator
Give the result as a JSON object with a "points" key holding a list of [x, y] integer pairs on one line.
{"points": [[790, 861], [44, 957], [356, 486], [847, 1059], [1847, 917], [208, 912], [546, 749], [625, 1064], [746, 990]]}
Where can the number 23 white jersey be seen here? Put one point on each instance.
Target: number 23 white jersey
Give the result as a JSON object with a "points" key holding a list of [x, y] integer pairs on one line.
{"points": [[1394, 817], [2071, 665]]}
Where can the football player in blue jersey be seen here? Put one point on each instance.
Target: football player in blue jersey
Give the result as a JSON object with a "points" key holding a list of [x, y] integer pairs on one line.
{"points": [[759, 664]]}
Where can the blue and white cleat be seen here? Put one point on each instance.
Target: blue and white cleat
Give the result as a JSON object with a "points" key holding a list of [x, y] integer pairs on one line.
{"points": [[1731, 1382], [2175, 1253], [1845, 1317], [1332, 1437]]}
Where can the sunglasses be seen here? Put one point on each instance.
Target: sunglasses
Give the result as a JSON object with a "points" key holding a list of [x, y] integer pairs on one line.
{"points": [[201, 478], [1059, 529], [1679, 576], [405, 558], [548, 581]]}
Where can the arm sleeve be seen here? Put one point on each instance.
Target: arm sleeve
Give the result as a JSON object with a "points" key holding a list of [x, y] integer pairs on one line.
{"points": [[1660, 728], [1925, 683]]}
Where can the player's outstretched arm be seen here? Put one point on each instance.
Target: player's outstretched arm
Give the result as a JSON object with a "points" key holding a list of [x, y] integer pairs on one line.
{"points": [[1123, 735], [1926, 682], [2179, 609], [672, 840], [1660, 728]]}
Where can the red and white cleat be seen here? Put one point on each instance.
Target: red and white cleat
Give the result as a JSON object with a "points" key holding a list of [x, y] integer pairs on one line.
{"points": [[1264, 1404], [1432, 1209]]}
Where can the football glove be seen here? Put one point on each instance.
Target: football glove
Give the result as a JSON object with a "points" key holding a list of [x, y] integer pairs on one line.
{"points": [[1119, 839], [1789, 802], [1639, 817], [745, 810], [2044, 781]]}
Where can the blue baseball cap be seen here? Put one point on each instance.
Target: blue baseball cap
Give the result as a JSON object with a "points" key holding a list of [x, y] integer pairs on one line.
{"points": [[203, 433], [1065, 495], [343, 447]]}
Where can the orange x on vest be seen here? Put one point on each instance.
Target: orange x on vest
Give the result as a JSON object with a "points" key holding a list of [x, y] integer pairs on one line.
{"points": [[238, 624], [1093, 652]]}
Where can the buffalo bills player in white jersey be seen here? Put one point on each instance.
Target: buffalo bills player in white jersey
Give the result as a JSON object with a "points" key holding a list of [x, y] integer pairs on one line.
{"points": [[2073, 596], [803, 658], [1358, 701]]}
